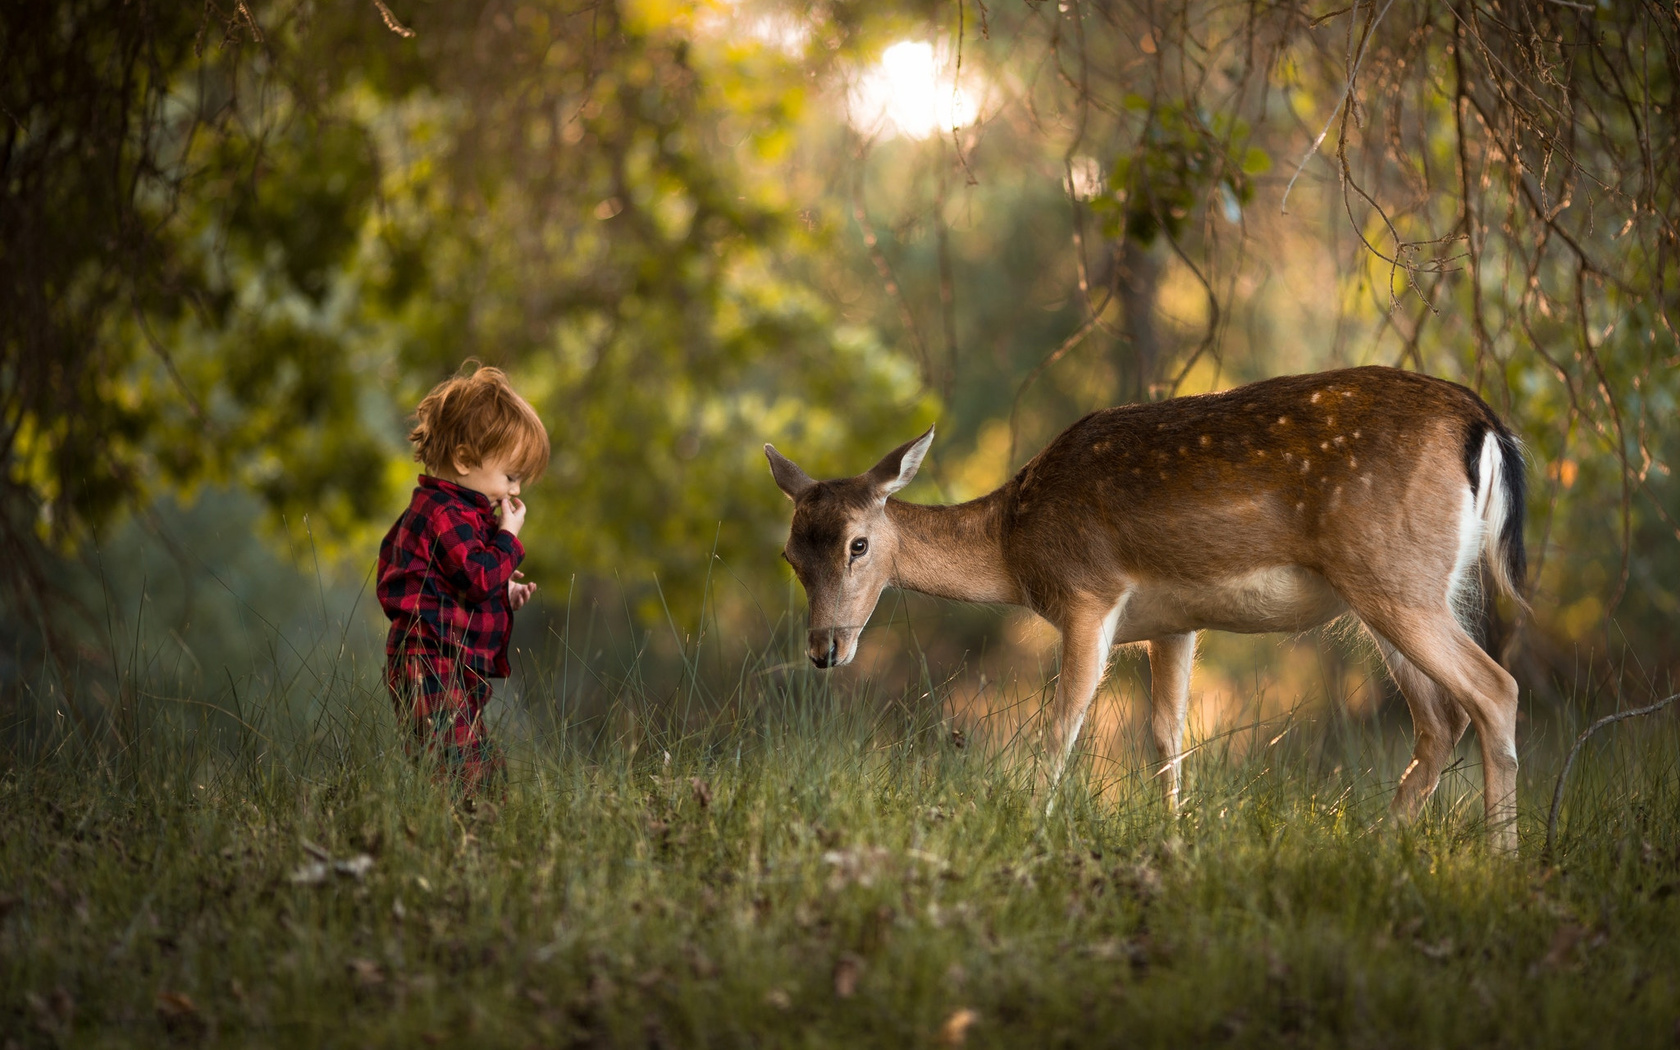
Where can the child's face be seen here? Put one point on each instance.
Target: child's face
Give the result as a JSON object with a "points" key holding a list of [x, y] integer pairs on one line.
{"points": [[493, 476]]}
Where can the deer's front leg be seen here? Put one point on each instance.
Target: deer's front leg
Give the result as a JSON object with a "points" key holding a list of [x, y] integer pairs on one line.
{"points": [[1087, 638], [1170, 660]]}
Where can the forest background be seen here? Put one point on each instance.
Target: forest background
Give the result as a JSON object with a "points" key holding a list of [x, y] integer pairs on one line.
{"points": [[239, 241]]}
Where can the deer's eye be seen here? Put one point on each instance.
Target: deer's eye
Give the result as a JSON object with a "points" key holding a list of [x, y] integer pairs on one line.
{"points": [[859, 547]]}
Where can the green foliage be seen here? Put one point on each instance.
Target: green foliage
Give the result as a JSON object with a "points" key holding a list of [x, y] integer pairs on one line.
{"points": [[1181, 160], [549, 190]]}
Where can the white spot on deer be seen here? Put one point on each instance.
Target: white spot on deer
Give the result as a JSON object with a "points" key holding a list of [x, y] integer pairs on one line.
{"points": [[1306, 464], [1260, 452], [1283, 421], [1353, 462], [1316, 395], [1366, 478], [1324, 445], [1356, 435], [1289, 457], [1206, 441], [1338, 439], [1300, 508]]}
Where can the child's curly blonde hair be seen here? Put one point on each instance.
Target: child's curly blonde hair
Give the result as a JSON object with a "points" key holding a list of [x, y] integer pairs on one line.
{"points": [[475, 415]]}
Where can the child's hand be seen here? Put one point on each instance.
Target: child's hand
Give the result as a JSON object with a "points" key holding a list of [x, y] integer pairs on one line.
{"points": [[513, 515], [519, 593]]}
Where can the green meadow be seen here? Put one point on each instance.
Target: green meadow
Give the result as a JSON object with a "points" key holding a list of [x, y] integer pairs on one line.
{"points": [[796, 860]]}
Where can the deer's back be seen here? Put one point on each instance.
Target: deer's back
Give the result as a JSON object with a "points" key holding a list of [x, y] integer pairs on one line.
{"points": [[1298, 470]]}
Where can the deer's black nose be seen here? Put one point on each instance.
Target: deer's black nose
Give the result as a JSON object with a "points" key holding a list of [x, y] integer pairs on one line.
{"points": [[826, 658]]}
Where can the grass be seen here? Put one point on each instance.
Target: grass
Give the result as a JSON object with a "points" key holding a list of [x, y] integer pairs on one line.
{"points": [[810, 866]]}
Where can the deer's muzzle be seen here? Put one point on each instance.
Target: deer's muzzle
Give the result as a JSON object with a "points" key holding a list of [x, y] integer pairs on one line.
{"points": [[832, 646]]}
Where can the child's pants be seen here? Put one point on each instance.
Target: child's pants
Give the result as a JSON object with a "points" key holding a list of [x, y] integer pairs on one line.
{"points": [[440, 707]]}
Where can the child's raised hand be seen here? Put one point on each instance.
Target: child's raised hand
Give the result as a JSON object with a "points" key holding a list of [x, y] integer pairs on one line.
{"points": [[513, 515], [519, 593]]}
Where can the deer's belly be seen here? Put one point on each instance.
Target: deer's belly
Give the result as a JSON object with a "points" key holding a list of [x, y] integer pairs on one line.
{"points": [[1278, 598]]}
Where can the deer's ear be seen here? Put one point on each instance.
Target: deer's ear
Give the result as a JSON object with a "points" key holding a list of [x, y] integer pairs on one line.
{"points": [[789, 478], [898, 466]]}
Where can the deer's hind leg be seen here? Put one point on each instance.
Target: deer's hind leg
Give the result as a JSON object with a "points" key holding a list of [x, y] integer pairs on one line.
{"points": [[1435, 643], [1170, 662], [1438, 721]]}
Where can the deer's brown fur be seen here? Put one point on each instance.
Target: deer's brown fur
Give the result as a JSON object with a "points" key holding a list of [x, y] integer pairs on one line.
{"points": [[1272, 507]]}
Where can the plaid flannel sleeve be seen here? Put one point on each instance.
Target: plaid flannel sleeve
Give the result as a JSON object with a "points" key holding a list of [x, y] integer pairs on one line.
{"points": [[476, 569]]}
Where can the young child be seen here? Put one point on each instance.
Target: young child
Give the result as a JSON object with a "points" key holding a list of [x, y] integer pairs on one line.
{"points": [[448, 571]]}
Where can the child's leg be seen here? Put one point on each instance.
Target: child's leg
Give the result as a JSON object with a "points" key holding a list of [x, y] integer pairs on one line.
{"points": [[477, 764], [441, 707]]}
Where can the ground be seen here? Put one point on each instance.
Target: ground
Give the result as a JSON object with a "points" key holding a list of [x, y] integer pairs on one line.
{"points": [[822, 870]]}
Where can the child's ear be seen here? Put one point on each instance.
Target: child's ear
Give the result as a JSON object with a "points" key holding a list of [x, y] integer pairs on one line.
{"points": [[463, 460]]}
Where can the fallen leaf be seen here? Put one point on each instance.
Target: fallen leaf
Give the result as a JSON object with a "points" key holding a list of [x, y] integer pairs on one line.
{"points": [[176, 1004], [312, 874], [1563, 944], [365, 972], [177, 1011], [316, 871], [847, 969], [954, 1032], [779, 998], [859, 865], [1441, 949], [702, 792]]}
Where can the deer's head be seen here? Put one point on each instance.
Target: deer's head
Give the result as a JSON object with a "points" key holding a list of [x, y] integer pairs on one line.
{"points": [[842, 543]]}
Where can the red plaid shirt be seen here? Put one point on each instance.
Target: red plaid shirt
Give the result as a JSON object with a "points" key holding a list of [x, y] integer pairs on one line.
{"points": [[443, 579]]}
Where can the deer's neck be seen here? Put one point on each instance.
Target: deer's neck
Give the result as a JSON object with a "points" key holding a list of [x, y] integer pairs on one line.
{"points": [[953, 552]]}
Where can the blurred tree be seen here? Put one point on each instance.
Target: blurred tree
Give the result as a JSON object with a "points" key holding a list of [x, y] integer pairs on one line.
{"points": [[90, 148], [241, 244]]}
